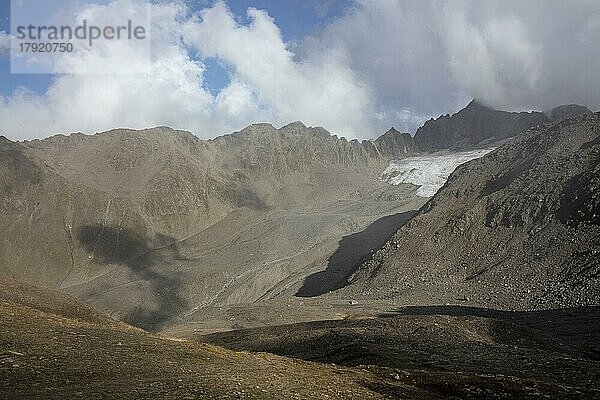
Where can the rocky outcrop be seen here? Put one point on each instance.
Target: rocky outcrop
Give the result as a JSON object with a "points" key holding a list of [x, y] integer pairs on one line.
{"points": [[393, 144], [295, 147], [113, 217], [150, 224], [477, 125], [517, 228], [566, 111]]}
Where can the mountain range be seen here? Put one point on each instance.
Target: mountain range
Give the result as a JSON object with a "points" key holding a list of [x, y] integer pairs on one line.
{"points": [[251, 231], [516, 229]]}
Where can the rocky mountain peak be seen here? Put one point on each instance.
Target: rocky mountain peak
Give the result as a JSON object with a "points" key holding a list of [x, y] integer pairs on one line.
{"points": [[392, 131], [523, 218], [475, 104], [478, 125], [567, 111], [296, 126]]}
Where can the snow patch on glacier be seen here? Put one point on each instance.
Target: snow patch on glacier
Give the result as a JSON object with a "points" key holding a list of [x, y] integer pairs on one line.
{"points": [[430, 171]]}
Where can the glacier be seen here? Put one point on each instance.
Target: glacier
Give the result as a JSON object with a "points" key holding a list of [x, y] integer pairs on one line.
{"points": [[430, 171]]}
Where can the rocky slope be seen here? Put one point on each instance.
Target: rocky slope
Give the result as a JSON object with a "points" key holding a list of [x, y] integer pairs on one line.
{"points": [[295, 147], [477, 125], [54, 347], [156, 225], [463, 352], [517, 228]]}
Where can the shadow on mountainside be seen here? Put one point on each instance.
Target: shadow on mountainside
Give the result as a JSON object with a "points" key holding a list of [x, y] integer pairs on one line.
{"points": [[556, 346], [351, 251], [573, 326], [115, 245]]}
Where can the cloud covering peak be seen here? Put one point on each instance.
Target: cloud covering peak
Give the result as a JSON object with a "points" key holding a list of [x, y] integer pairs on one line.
{"points": [[378, 64]]}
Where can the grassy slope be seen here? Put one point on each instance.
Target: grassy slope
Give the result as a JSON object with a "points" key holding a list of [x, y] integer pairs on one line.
{"points": [[51, 346]]}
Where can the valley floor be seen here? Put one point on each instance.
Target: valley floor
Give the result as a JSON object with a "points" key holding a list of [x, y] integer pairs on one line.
{"points": [[53, 347]]}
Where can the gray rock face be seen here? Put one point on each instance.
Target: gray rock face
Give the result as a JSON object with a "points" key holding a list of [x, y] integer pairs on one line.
{"points": [[477, 124], [517, 228], [155, 224], [394, 144], [567, 111]]}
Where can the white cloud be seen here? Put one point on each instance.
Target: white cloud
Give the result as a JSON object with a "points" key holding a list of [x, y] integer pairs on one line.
{"points": [[237, 105], [266, 83], [319, 90], [494, 61], [431, 57], [167, 92], [24, 112], [383, 63], [394, 47]]}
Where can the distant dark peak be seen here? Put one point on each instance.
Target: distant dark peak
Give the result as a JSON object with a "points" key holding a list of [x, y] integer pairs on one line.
{"points": [[477, 124], [392, 134], [5, 139], [475, 105], [472, 126], [566, 111], [391, 144]]}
